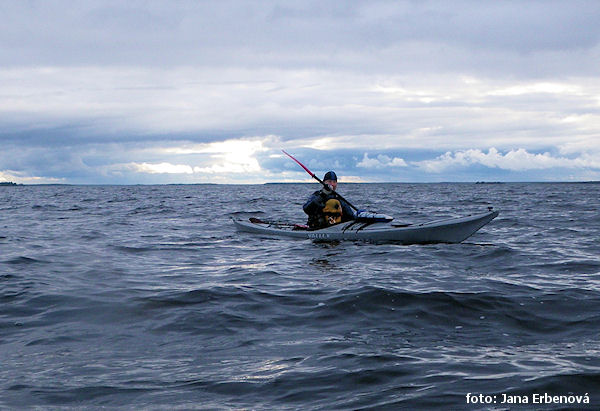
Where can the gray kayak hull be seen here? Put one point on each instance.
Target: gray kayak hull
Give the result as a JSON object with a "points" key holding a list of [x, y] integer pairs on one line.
{"points": [[451, 230]]}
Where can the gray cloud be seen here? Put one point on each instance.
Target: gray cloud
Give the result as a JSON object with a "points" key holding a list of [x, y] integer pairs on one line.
{"points": [[373, 36]]}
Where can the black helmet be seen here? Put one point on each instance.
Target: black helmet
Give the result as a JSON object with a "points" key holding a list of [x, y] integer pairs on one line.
{"points": [[330, 175]]}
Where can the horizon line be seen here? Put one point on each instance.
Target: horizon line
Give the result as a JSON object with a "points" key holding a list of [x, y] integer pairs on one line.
{"points": [[11, 184]]}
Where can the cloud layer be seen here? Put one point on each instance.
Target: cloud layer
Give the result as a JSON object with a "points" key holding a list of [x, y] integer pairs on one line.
{"points": [[161, 92]]}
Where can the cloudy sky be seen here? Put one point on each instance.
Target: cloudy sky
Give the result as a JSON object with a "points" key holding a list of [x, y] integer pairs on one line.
{"points": [[95, 92]]}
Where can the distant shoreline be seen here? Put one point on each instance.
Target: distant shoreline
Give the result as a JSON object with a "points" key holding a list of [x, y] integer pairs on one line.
{"points": [[449, 182]]}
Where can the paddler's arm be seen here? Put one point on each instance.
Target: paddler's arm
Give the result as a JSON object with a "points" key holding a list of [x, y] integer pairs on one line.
{"points": [[314, 204], [347, 211]]}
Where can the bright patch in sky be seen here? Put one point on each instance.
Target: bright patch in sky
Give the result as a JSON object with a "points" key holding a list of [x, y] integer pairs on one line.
{"points": [[549, 88], [381, 161], [514, 160]]}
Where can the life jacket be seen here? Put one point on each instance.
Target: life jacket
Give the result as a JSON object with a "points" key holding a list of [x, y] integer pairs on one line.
{"points": [[333, 211]]}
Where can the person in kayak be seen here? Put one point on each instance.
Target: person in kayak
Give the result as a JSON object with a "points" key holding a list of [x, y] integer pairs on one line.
{"points": [[325, 208]]}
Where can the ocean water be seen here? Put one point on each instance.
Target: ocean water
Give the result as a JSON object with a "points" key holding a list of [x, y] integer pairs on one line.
{"points": [[145, 297]]}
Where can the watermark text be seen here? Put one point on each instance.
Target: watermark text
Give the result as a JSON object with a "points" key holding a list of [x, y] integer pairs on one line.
{"points": [[535, 398]]}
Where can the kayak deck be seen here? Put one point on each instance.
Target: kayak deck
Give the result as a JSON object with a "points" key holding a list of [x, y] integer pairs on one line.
{"points": [[450, 230]]}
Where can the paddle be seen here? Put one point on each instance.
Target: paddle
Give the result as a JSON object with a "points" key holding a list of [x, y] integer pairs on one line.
{"points": [[318, 179]]}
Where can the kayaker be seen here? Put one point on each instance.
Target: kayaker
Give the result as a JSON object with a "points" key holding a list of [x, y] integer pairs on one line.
{"points": [[325, 208]]}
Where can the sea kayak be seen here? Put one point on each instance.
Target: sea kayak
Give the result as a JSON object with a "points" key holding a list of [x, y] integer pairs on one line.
{"points": [[450, 230]]}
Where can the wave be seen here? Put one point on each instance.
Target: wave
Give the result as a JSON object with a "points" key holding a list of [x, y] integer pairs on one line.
{"points": [[481, 315], [22, 260]]}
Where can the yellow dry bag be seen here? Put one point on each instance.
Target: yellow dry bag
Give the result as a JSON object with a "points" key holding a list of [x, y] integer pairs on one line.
{"points": [[333, 211]]}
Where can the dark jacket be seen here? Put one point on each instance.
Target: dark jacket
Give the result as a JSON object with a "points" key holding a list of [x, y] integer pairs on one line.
{"points": [[314, 208]]}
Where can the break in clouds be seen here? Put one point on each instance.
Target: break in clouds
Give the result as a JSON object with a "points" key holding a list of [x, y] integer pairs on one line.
{"points": [[192, 92]]}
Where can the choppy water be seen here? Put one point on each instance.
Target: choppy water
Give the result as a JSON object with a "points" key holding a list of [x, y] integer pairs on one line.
{"points": [[146, 297]]}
